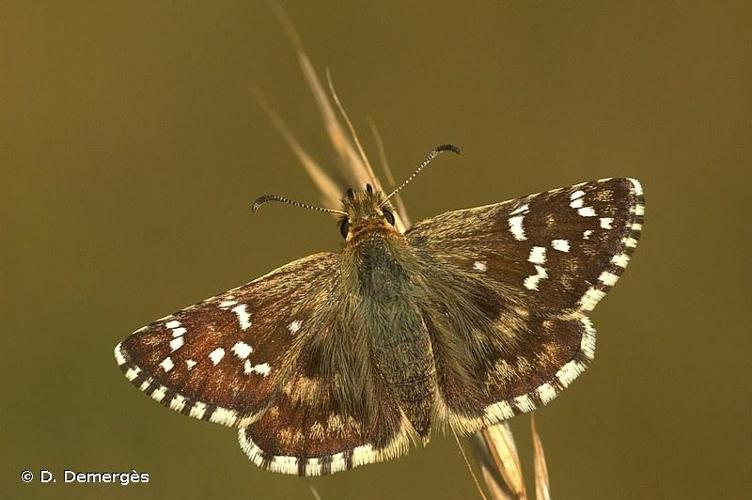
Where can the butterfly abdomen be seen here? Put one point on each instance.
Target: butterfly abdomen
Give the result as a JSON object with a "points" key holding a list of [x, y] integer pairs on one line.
{"points": [[398, 338]]}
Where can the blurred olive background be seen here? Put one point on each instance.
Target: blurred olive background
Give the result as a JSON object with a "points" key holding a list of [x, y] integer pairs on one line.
{"points": [[131, 148]]}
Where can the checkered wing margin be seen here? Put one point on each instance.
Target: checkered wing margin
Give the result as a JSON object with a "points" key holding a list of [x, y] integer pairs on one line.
{"points": [[516, 280], [264, 357]]}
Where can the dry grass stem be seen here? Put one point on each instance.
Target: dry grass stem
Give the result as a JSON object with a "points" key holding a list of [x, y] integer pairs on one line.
{"points": [[542, 490], [499, 443], [469, 467], [399, 204], [315, 493], [368, 169], [330, 193], [350, 164], [494, 484]]}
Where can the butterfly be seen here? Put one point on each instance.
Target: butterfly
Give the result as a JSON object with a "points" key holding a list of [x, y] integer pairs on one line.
{"points": [[339, 360]]}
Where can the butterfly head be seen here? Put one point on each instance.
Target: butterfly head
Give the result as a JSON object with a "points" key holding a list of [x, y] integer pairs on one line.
{"points": [[365, 210], [362, 211]]}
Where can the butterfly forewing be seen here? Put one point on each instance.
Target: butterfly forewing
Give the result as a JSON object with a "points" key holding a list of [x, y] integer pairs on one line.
{"points": [[548, 250], [528, 270], [220, 360]]}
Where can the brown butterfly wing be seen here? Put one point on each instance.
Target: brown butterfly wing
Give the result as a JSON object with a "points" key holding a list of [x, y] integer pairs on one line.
{"points": [[269, 357], [515, 281], [333, 413]]}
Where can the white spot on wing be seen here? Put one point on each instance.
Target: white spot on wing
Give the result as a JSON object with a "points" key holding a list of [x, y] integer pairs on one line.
{"points": [[159, 394], [363, 455], [569, 372], [216, 355], [294, 326], [587, 344], [546, 393], [198, 410], [190, 363], [620, 260], [224, 416], [119, 355], [591, 298], [480, 265], [177, 403], [577, 194], [262, 369], [606, 222], [578, 203], [560, 245], [242, 350], [515, 227], [521, 209], [636, 186], [338, 462], [176, 343], [172, 324], [241, 311], [499, 411], [586, 234], [537, 255], [608, 278], [630, 242], [132, 373], [226, 304], [524, 403], [531, 282], [166, 364], [313, 467], [586, 212]]}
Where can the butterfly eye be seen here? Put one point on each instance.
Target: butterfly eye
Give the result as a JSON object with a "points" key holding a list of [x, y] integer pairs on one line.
{"points": [[389, 216], [344, 227]]}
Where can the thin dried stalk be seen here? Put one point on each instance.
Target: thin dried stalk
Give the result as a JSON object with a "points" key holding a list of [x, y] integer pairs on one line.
{"points": [[388, 173], [315, 493], [499, 454], [469, 467], [494, 486], [542, 490], [351, 165], [330, 193]]}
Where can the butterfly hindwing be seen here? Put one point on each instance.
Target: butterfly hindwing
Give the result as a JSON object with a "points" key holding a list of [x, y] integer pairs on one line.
{"points": [[329, 416], [527, 270]]}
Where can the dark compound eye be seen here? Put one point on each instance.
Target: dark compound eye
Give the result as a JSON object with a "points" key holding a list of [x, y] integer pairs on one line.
{"points": [[389, 216], [344, 227]]}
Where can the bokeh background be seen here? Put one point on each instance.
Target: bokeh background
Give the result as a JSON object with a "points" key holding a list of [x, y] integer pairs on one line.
{"points": [[131, 148]]}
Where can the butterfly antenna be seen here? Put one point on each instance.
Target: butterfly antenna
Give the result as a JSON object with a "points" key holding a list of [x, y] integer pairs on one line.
{"points": [[433, 154], [273, 197]]}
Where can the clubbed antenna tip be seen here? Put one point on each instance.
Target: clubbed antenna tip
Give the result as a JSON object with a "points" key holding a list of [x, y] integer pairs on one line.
{"points": [[448, 147], [433, 154]]}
